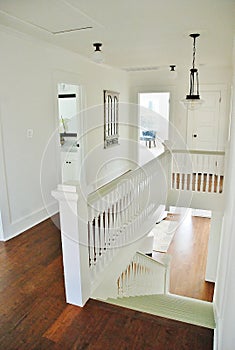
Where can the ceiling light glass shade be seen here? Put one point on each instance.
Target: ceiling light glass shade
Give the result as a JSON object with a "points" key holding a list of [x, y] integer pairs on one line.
{"points": [[192, 103], [98, 55], [173, 74]]}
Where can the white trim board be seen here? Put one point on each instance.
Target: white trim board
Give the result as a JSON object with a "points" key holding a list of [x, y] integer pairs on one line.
{"points": [[194, 212], [19, 226]]}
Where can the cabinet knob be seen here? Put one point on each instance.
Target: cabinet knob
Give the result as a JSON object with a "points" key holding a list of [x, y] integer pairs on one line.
{"points": [[195, 135]]}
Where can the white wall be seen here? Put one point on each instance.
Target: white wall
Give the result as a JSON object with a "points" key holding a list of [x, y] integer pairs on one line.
{"points": [[225, 286], [160, 80], [30, 71]]}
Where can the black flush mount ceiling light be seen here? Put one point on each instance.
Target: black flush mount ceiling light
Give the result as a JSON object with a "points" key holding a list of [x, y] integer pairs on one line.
{"points": [[193, 100], [98, 56]]}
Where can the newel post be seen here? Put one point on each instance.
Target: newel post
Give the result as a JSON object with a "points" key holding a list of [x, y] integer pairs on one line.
{"points": [[73, 221]]}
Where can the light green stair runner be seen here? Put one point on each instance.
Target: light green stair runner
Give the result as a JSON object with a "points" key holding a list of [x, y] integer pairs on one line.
{"points": [[171, 306]]}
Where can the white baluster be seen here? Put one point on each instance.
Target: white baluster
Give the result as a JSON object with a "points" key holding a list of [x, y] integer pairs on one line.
{"points": [[220, 184], [185, 181], [181, 184], [127, 201], [191, 182], [217, 183], [212, 182], [89, 228], [138, 193], [134, 190], [134, 196], [97, 239], [118, 220], [207, 181], [106, 225], [202, 182], [114, 210], [91, 237], [102, 233], [196, 181], [109, 221]]}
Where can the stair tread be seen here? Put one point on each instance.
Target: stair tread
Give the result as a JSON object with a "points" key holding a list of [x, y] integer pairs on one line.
{"points": [[171, 306]]}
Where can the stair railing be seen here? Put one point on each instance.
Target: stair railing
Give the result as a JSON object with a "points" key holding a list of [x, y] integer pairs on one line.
{"points": [[144, 276], [96, 227]]}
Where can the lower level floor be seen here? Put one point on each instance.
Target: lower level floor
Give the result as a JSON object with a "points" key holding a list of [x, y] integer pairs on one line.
{"points": [[189, 249]]}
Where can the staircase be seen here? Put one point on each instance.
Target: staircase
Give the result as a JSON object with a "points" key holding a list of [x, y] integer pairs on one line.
{"points": [[144, 286], [103, 228]]}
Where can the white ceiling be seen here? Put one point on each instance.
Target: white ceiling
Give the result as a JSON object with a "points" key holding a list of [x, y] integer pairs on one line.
{"points": [[134, 33]]}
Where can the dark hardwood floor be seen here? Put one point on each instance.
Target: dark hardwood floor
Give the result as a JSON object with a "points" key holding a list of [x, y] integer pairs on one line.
{"points": [[34, 315]]}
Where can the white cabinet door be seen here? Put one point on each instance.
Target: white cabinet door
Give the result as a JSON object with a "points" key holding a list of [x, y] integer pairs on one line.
{"points": [[203, 124], [69, 167]]}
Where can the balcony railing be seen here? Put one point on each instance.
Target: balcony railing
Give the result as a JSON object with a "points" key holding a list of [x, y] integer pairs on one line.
{"points": [[198, 171]]}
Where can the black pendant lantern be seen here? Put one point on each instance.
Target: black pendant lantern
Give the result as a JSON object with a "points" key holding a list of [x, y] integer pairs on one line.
{"points": [[192, 100]]}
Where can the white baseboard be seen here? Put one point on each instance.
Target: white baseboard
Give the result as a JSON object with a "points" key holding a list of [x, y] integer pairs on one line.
{"points": [[216, 330], [215, 343], [17, 227], [210, 277]]}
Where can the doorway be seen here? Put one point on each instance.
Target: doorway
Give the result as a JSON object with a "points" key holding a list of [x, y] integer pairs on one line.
{"points": [[70, 128], [154, 114], [153, 123]]}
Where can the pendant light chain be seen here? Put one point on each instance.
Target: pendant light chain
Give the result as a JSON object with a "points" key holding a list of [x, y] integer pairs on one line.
{"points": [[194, 51]]}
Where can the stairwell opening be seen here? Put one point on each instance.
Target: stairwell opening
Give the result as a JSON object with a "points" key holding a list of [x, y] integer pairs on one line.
{"points": [[189, 251]]}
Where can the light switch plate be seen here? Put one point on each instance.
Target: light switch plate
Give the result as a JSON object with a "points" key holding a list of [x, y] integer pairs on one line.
{"points": [[29, 133]]}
